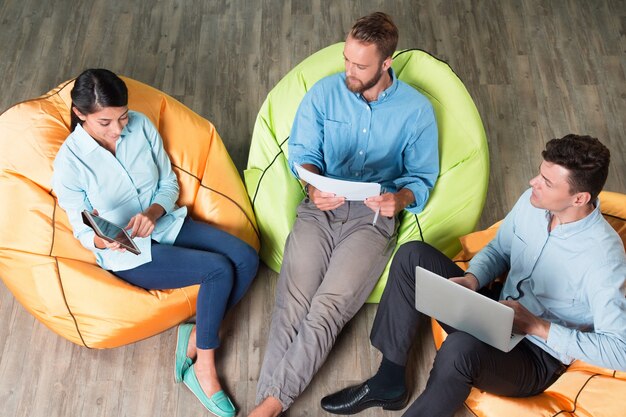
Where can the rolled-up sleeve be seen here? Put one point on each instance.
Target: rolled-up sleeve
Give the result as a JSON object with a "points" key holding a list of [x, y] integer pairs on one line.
{"points": [[307, 134], [168, 190], [421, 162], [73, 200]]}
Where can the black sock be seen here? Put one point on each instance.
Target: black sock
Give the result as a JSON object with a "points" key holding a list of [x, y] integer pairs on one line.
{"points": [[389, 380]]}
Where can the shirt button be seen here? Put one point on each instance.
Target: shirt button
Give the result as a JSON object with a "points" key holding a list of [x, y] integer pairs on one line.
{"points": [[356, 174], [364, 130], [360, 152]]}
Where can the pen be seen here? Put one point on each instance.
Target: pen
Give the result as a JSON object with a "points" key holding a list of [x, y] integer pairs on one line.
{"points": [[382, 190], [376, 216]]}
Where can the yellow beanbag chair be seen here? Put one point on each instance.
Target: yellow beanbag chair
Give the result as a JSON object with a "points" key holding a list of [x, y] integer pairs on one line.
{"points": [[47, 269], [584, 390]]}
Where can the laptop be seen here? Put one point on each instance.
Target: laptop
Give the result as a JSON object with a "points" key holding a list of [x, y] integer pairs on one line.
{"points": [[465, 310]]}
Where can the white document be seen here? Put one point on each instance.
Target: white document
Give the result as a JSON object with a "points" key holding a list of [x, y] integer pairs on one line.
{"points": [[351, 190]]}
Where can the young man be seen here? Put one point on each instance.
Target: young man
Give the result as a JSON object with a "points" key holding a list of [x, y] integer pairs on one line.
{"points": [[361, 125], [566, 283]]}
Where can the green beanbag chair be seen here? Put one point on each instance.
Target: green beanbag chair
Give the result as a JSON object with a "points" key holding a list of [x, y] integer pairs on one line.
{"points": [[456, 202]]}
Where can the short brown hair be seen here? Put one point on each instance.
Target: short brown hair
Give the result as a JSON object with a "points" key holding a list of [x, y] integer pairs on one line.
{"points": [[586, 159], [379, 29]]}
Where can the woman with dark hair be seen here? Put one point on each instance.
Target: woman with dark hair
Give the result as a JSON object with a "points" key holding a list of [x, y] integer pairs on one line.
{"points": [[114, 164]]}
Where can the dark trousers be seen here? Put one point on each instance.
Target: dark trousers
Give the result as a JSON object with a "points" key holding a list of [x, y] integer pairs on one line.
{"points": [[222, 264], [463, 361]]}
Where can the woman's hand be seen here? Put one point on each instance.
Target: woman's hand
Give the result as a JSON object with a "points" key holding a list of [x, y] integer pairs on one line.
{"points": [[142, 224], [104, 244], [100, 243]]}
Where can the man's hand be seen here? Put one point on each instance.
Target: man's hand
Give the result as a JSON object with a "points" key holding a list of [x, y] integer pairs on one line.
{"points": [[526, 322], [390, 204], [322, 200], [468, 281], [325, 201], [142, 224]]}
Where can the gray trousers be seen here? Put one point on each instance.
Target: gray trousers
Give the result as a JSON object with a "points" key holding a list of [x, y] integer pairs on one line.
{"points": [[332, 261]]}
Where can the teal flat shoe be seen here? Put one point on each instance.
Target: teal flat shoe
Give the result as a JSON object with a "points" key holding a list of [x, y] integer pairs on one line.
{"points": [[183, 362], [219, 403]]}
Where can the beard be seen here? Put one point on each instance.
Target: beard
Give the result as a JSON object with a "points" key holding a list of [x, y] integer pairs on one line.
{"points": [[357, 86]]}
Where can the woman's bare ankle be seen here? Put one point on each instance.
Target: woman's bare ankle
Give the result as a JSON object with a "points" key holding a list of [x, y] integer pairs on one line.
{"points": [[206, 371], [191, 346]]}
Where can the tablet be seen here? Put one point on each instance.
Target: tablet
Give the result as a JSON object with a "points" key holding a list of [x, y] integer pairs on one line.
{"points": [[110, 231]]}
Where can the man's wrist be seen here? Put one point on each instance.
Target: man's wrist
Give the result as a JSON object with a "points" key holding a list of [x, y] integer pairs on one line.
{"points": [[406, 197], [542, 329], [473, 279]]}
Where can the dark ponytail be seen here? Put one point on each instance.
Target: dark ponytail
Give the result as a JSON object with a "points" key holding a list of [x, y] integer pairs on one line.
{"points": [[95, 89]]}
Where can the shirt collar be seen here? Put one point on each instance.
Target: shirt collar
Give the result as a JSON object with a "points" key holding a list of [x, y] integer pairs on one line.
{"points": [[385, 94], [86, 144], [388, 92], [568, 229]]}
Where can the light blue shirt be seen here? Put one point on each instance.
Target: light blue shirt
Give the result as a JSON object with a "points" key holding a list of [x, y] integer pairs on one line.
{"points": [[573, 276], [87, 176], [391, 141]]}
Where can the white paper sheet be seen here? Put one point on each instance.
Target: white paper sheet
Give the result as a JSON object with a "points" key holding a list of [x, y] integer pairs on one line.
{"points": [[351, 190]]}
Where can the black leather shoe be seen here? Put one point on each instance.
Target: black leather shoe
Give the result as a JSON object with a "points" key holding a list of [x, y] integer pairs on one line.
{"points": [[351, 400]]}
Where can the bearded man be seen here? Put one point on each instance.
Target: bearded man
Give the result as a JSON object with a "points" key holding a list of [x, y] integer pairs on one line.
{"points": [[361, 125]]}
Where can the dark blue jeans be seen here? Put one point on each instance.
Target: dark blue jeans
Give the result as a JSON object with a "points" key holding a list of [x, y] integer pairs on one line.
{"points": [[222, 264]]}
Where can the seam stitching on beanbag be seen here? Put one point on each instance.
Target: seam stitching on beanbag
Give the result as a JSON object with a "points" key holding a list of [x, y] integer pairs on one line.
{"points": [[54, 211], [469, 409], [614, 216], [280, 152], [223, 195], [430, 55], [39, 98], [576, 398]]}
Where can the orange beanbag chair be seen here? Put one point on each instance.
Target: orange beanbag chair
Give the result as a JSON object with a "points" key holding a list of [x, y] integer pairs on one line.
{"points": [[583, 390], [47, 269]]}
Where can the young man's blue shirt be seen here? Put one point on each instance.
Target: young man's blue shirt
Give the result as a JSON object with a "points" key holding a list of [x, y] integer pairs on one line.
{"points": [[391, 141], [573, 276]]}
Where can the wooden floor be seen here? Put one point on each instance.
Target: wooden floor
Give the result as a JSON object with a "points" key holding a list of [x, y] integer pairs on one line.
{"points": [[536, 70]]}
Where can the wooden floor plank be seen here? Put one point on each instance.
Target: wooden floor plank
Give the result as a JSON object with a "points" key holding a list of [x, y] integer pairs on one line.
{"points": [[535, 69]]}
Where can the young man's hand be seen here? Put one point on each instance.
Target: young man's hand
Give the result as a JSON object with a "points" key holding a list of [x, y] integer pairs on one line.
{"points": [[325, 201], [390, 204], [322, 200], [526, 322], [468, 281]]}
